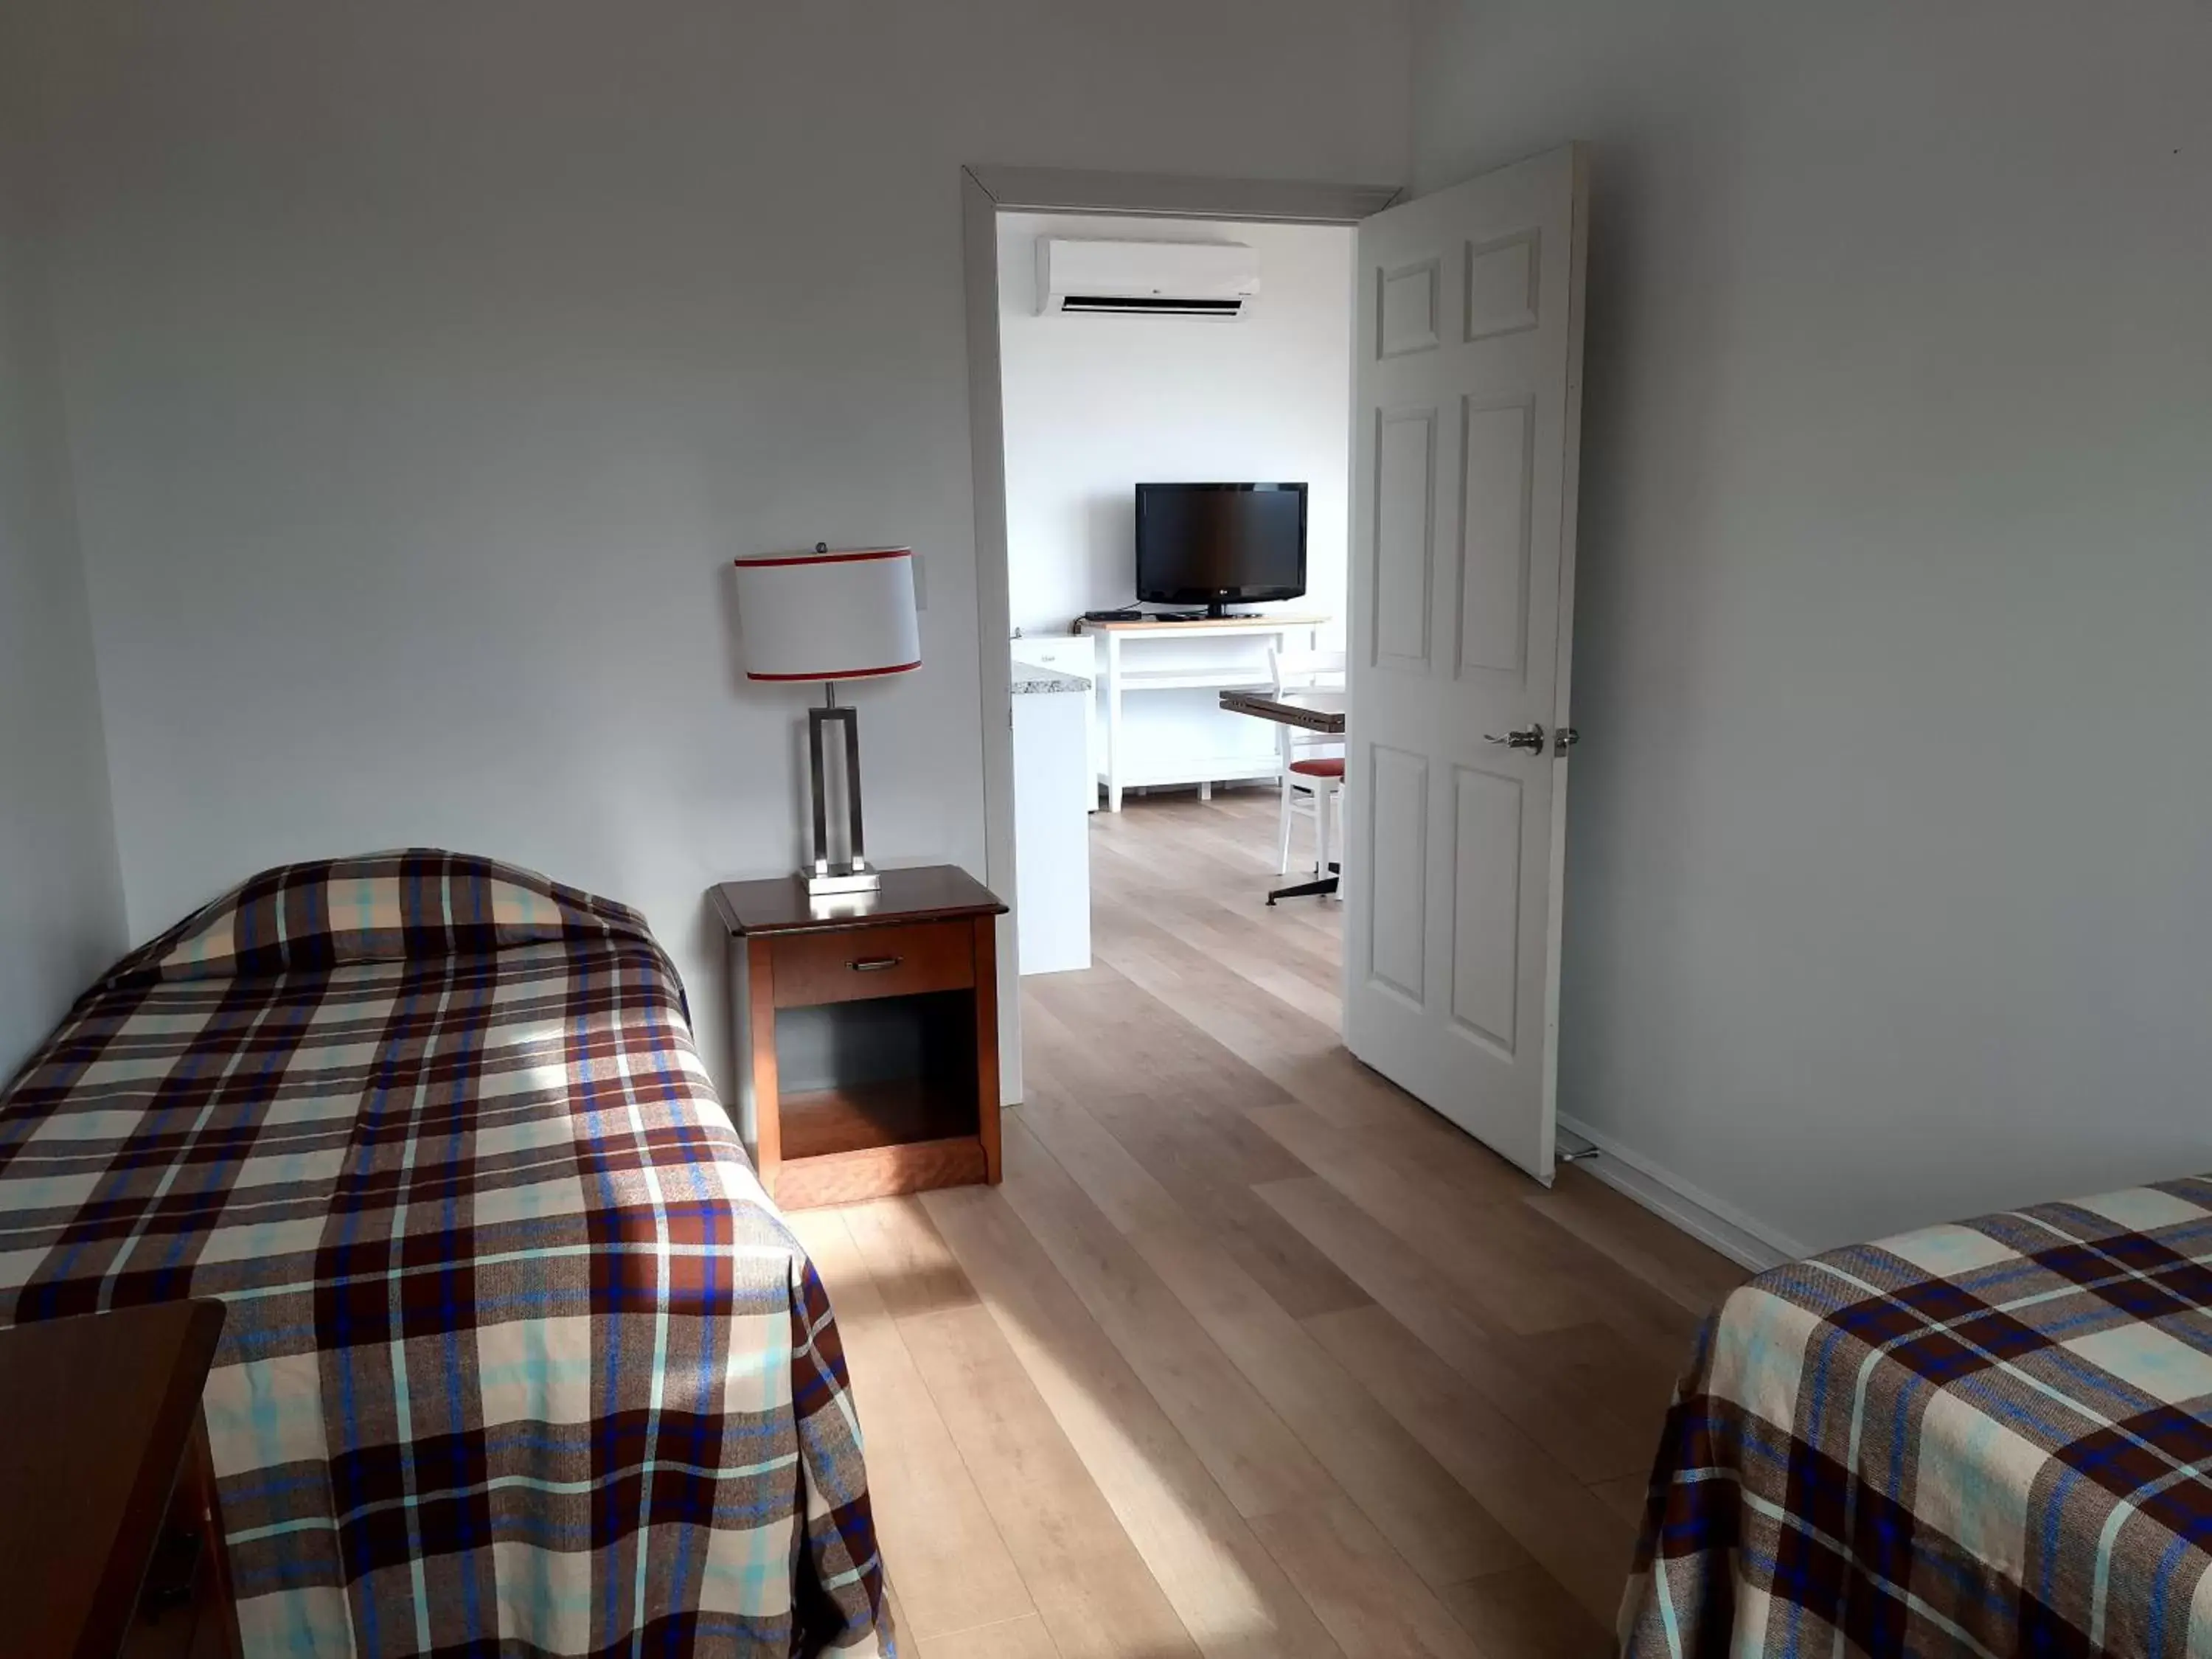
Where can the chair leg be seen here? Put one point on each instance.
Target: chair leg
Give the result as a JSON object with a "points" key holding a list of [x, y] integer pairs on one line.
{"points": [[1324, 801], [1283, 831]]}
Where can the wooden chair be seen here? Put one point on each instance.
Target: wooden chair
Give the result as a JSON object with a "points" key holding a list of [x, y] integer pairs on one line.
{"points": [[1313, 767]]}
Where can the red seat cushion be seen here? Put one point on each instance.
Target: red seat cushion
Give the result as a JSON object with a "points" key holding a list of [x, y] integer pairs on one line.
{"points": [[1330, 766]]}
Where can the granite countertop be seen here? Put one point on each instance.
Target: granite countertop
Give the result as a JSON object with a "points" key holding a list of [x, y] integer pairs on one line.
{"points": [[1029, 680]]}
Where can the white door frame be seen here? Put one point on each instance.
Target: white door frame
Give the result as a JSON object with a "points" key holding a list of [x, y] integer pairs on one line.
{"points": [[985, 193]]}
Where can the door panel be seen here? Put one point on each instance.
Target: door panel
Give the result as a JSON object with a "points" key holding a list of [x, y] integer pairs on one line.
{"points": [[1405, 536], [1502, 291], [1468, 404], [1486, 909], [1493, 590], [1398, 793], [1409, 303]]}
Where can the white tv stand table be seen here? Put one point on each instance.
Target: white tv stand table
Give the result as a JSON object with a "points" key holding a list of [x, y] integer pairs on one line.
{"points": [[1131, 663]]}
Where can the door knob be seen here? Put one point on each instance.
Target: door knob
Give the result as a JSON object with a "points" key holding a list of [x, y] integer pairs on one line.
{"points": [[1532, 739]]}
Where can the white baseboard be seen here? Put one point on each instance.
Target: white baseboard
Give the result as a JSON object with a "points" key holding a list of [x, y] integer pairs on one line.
{"points": [[1744, 1241]]}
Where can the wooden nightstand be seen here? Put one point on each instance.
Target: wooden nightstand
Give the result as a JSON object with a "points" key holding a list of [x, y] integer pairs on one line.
{"points": [[110, 1542], [867, 1036]]}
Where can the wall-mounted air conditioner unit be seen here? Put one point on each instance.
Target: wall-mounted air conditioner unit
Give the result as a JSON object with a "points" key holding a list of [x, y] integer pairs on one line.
{"points": [[1145, 279]]}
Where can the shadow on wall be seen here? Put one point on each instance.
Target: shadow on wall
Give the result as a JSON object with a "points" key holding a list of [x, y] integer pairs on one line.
{"points": [[1635, 624]]}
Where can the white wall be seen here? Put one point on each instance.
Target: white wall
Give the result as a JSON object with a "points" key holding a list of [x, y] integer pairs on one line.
{"points": [[61, 892], [428, 363], [1096, 404], [1890, 857]]}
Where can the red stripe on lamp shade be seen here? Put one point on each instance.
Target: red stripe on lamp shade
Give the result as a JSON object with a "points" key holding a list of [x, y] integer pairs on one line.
{"points": [[843, 673], [830, 558]]}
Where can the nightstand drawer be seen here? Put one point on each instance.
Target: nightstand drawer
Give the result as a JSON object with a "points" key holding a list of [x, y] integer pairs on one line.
{"points": [[813, 969]]}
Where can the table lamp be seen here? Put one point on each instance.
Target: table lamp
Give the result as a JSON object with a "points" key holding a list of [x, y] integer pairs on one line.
{"points": [[829, 617]]}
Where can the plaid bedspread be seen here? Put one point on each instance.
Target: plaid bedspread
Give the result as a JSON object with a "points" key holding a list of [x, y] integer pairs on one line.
{"points": [[1988, 1438], [518, 1359]]}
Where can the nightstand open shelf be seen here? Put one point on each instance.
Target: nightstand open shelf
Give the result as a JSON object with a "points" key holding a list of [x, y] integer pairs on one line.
{"points": [[818, 1122], [866, 1039]]}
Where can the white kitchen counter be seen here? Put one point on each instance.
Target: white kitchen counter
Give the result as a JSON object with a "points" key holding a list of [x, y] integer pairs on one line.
{"points": [[1053, 791], [1030, 681]]}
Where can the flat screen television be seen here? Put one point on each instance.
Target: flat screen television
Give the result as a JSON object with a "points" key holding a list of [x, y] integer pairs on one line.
{"points": [[1218, 545]]}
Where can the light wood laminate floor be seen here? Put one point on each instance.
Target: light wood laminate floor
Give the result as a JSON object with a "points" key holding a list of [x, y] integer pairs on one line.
{"points": [[1251, 1355]]}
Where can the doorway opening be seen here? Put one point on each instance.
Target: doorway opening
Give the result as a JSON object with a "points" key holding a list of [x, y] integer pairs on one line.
{"points": [[1465, 411], [1176, 404], [988, 195]]}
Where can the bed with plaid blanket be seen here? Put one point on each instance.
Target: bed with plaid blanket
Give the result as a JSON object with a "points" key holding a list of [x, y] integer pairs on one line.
{"points": [[1988, 1438], [518, 1359]]}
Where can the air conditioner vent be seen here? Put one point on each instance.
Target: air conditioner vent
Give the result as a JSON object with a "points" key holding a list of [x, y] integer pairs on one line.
{"points": [[1145, 279], [1145, 306]]}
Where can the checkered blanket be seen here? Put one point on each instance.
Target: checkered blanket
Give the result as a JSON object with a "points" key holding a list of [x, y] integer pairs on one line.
{"points": [[1992, 1438], [518, 1357]]}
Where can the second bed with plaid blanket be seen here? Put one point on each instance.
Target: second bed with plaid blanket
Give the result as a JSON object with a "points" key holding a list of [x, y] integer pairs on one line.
{"points": [[1988, 1438], [518, 1359]]}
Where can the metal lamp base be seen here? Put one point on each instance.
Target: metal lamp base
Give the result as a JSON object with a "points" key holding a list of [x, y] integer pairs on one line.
{"points": [[825, 878], [841, 879]]}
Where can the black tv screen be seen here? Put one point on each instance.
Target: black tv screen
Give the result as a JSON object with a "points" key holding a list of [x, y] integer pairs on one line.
{"points": [[1215, 544]]}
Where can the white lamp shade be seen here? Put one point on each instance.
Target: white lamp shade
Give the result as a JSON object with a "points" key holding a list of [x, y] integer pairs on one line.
{"points": [[829, 615]]}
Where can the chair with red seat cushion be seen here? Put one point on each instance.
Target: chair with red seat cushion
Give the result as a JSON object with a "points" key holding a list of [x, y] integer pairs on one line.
{"points": [[1313, 767]]}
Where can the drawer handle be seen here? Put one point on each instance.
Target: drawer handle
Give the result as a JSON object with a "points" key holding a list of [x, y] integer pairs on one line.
{"points": [[873, 964]]}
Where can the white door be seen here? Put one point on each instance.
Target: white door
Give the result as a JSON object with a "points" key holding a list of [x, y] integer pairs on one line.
{"points": [[1467, 402]]}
